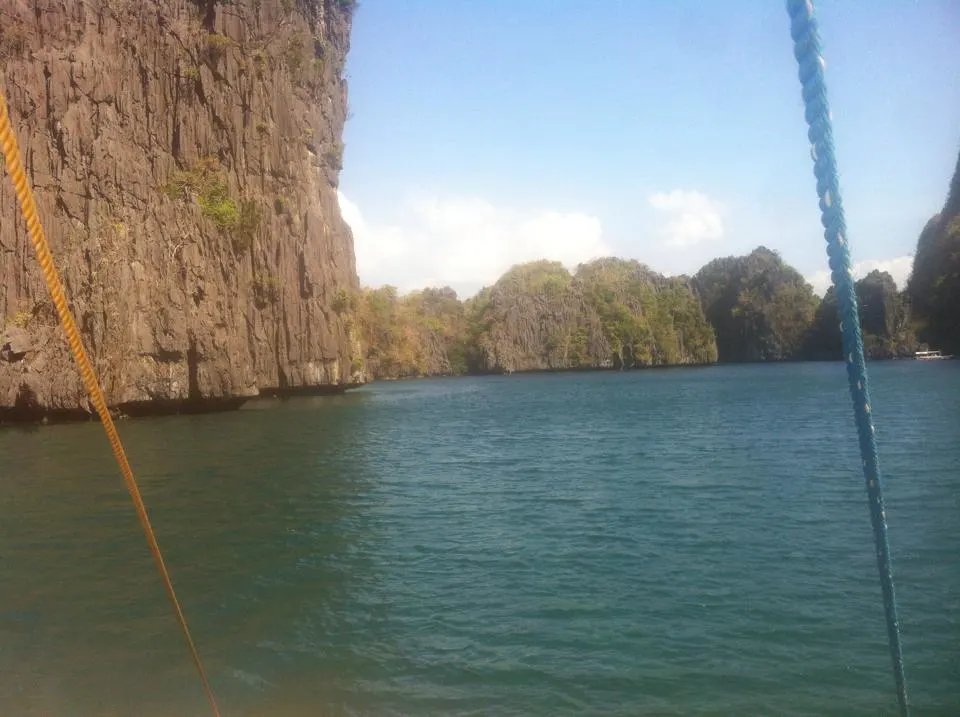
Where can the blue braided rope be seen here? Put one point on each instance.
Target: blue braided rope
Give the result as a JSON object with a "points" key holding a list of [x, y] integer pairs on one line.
{"points": [[803, 30]]}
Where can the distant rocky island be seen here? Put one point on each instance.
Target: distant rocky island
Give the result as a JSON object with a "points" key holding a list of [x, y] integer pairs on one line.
{"points": [[619, 314], [616, 313]]}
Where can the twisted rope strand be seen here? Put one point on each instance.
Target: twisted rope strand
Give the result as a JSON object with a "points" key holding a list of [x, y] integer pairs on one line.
{"points": [[807, 50], [28, 208]]}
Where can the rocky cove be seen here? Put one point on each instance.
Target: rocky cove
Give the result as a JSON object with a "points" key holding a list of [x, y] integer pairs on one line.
{"points": [[186, 154]]}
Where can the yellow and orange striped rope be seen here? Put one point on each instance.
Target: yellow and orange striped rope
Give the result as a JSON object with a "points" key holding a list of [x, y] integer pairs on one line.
{"points": [[28, 207]]}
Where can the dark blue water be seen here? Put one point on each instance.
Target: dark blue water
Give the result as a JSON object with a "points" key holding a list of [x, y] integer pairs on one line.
{"points": [[682, 542]]}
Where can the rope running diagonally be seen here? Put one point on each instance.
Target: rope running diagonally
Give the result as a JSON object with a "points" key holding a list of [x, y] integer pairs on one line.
{"points": [[803, 30], [28, 207]]}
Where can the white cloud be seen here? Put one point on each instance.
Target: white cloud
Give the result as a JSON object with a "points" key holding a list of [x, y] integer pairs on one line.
{"points": [[899, 268], [466, 243], [694, 217], [351, 214]]}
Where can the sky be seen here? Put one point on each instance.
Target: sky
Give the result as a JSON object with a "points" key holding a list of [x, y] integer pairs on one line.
{"points": [[485, 133]]}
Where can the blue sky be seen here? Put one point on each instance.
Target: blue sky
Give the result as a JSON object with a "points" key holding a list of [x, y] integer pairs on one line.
{"points": [[484, 133]]}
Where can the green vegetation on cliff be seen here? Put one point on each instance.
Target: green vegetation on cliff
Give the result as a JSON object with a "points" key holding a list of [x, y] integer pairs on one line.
{"points": [[420, 334], [934, 287], [760, 307], [895, 323], [884, 322], [610, 313], [537, 316], [620, 314]]}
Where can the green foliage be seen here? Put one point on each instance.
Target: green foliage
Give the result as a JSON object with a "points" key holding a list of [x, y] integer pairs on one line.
{"points": [[419, 334], [21, 319], [679, 327], [610, 313], [266, 290], [203, 178], [218, 206], [247, 224], [218, 44], [191, 72], [334, 155], [344, 301], [577, 348], [623, 296], [536, 277], [883, 311], [205, 183], [260, 60], [618, 313], [884, 322], [760, 308], [293, 55]]}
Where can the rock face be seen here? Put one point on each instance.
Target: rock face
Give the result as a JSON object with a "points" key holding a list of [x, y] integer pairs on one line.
{"points": [[612, 313], [760, 307], [934, 286], [185, 155], [884, 322]]}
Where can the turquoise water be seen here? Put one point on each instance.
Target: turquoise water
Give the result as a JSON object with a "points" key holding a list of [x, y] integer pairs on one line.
{"points": [[680, 542]]}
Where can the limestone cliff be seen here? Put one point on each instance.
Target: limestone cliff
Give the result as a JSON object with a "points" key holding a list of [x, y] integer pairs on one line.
{"points": [[884, 322], [185, 155], [934, 287], [760, 307], [611, 313]]}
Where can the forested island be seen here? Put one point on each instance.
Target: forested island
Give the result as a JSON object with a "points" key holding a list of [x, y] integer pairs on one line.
{"points": [[620, 314]]}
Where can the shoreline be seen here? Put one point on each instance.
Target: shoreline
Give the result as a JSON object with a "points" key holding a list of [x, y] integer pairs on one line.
{"points": [[608, 369], [133, 410], [11, 417]]}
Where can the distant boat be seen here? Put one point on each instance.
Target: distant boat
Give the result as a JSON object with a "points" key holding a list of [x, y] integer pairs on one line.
{"points": [[930, 356]]}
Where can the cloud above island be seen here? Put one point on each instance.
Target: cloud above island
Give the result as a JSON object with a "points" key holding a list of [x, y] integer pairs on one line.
{"points": [[469, 242], [692, 217], [898, 267], [465, 242]]}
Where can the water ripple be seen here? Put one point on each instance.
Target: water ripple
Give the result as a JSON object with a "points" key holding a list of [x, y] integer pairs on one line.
{"points": [[656, 543]]}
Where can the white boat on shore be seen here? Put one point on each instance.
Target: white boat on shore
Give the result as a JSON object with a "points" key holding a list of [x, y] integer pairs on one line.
{"points": [[930, 356]]}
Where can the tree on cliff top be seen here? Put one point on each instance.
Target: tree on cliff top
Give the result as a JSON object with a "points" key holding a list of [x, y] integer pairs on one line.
{"points": [[419, 334], [759, 306], [611, 312]]}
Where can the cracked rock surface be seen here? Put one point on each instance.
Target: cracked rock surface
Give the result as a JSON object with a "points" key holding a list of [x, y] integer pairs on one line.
{"points": [[185, 156]]}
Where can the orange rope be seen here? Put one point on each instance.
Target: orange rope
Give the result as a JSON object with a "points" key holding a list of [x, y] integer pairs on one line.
{"points": [[28, 207]]}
